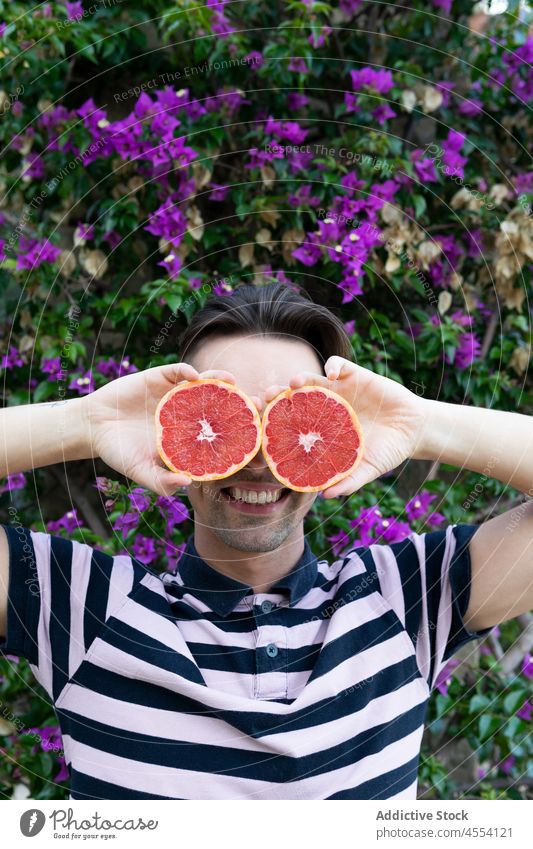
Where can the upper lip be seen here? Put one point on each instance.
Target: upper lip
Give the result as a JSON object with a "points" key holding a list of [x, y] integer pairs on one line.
{"points": [[255, 485]]}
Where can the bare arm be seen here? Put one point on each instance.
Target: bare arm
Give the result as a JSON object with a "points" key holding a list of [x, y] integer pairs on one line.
{"points": [[399, 425], [497, 444], [115, 423], [35, 435]]}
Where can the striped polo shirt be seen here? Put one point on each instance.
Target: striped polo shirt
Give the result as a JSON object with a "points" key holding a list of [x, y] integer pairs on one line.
{"points": [[189, 685]]}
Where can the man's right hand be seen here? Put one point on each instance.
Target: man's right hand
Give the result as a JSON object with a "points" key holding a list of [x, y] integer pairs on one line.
{"points": [[120, 423]]}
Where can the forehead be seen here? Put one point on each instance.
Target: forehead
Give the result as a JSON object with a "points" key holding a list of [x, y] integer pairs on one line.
{"points": [[256, 361]]}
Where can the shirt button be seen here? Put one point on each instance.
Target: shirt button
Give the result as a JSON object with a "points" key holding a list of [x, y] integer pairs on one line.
{"points": [[267, 606], [272, 650]]}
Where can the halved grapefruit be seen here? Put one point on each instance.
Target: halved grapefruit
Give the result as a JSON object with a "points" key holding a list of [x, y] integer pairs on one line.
{"points": [[207, 429], [312, 438]]}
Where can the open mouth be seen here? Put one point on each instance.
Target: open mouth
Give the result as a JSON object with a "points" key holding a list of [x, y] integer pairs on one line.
{"points": [[238, 495]]}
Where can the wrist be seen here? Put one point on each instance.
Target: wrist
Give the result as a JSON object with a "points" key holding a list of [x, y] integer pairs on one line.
{"points": [[434, 431], [75, 429]]}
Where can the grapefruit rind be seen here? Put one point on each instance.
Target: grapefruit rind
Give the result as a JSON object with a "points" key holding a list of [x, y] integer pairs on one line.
{"points": [[187, 384], [288, 393]]}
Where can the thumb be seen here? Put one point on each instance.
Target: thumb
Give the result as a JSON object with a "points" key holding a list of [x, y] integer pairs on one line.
{"points": [[363, 474], [158, 479]]}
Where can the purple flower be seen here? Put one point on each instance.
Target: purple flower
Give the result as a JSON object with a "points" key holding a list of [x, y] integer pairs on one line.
{"points": [[34, 166], [83, 233], [424, 168], [419, 505], [52, 367], [168, 222], [298, 65], [173, 554], [339, 542], [349, 327], [144, 549], [289, 130], [317, 40], [349, 7], [255, 59], [63, 774], [83, 384], [105, 485], [459, 317], [11, 359], [173, 264], [527, 666], [445, 88], [74, 10], [382, 113], [69, 522], [126, 523], [364, 523], [174, 510], [506, 766], [392, 530], [139, 500], [112, 238], [380, 81], [308, 253], [525, 711], [467, 351], [453, 161], [481, 772], [296, 101], [3, 27], [16, 481], [218, 192], [111, 369], [470, 108], [445, 5], [444, 678], [435, 519], [33, 253]]}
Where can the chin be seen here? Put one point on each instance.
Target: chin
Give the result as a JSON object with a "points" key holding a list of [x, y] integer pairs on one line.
{"points": [[253, 540]]}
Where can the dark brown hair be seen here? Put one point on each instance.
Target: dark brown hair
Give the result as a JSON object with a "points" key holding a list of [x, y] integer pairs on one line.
{"points": [[274, 310]]}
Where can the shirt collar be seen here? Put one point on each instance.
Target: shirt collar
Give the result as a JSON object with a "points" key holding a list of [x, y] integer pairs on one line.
{"points": [[221, 593]]}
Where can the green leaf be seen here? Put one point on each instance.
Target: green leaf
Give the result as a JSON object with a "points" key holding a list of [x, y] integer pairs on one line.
{"points": [[513, 701], [487, 725], [478, 703]]}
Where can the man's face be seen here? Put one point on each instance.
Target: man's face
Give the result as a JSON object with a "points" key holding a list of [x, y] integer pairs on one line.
{"points": [[256, 363]]}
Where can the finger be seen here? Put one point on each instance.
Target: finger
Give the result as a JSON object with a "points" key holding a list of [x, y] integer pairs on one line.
{"points": [[218, 374], [307, 378], [175, 372], [353, 482], [273, 391], [338, 367], [158, 479]]}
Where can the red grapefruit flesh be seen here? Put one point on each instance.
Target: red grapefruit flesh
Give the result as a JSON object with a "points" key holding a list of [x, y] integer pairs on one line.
{"points": [[207, 429], [312, 438]]}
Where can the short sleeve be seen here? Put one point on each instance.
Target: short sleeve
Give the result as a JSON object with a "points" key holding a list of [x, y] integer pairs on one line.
{"points": [[426, 580], [61, 594]]}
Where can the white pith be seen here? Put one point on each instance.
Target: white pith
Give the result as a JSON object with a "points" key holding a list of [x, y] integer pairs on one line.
{"points": [[253, 496], [206, 432], [307, 440]]}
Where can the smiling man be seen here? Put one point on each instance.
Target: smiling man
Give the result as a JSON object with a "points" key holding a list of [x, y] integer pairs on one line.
{"points": [[256, 670]]}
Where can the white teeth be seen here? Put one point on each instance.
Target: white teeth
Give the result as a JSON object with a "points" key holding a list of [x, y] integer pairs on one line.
{"points": [[253, 496]]}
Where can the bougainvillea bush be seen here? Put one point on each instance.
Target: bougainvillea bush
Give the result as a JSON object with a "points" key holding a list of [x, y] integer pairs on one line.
{"points": [[377, 156]]}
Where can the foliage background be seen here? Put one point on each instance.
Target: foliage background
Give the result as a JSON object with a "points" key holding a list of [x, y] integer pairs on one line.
{"points": [[148, 159]]}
